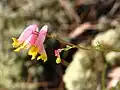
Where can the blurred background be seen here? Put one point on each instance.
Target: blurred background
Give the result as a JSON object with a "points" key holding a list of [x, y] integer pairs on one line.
{"points": [[85, 23]]}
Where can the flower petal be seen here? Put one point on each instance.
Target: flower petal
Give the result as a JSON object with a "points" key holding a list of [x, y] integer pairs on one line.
{"points": [[42, 53], [43, 56], [27, 32], [58, 60], [39, 43], [42, 35], [31, 39], [15, 43], [33, 51], [22, 46], [57, 53]]}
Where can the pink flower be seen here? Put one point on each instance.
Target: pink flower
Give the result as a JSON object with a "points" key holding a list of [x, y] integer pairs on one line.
{"points": [[33, 39], [57, 54]]}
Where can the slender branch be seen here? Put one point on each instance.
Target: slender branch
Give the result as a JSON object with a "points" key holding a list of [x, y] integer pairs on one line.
{"points": [[65, 42], [80, 47]]}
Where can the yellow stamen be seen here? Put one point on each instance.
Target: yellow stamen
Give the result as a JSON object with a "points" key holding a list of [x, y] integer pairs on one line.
{"points": [[33, 51], [58, 60], [18, 49], [21, 47], [15, 43], [43, 56]]}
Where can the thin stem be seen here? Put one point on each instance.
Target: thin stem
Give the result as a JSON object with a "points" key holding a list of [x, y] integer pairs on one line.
{"points": [[103, 77], [65, 42], [80, 47]]}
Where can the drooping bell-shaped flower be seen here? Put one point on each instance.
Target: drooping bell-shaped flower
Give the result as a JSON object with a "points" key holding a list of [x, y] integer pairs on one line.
{"points": [[33, 39], [57, 54]]}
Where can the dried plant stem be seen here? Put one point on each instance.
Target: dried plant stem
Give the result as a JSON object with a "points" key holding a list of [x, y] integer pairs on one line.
{"points": [[71, 12], [103, 77]]}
